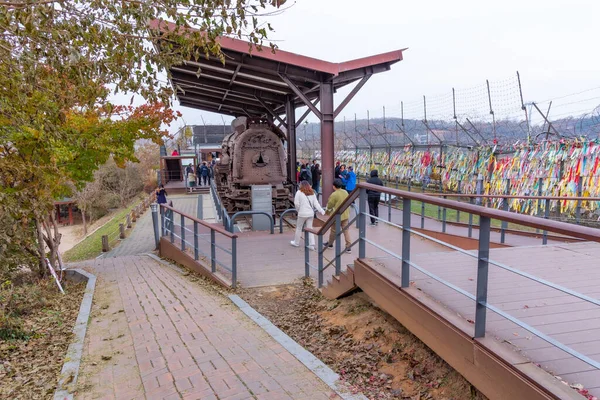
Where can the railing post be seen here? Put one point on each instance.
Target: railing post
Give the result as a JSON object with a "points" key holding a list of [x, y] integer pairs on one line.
{"points": [[405, 278], [306, 255], [105, 246], [423, 207], [362, 223], [171, 226], [233, 262], [397, 187], [578, 207], [539, 207], [444, 218], [121, 231], [154, 208], [338, 244], [389, 207], [482, 276], [409, 184], [504, 224], [196, 250], [162, 221], [182, 222], [320, 249], [200, 207], [470, 230], [546, 216], [458, 189], [213, 252]]}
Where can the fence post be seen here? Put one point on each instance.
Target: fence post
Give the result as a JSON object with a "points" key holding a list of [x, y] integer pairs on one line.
{"points": [[546, 216], [162, 221], [105, 247], [482, 276], [213, 252], [458, 189], [578, 207], [444, 218], [200, 209], [133, 218], [306, 255], [338, 244], [154, 208], [182, 223], [397, 182], [504, 224], [128, 221], [405, 277], [196, 250], [171, 223], [122, 231], [470, 232], [389, 207], [538, 203], [320, 247], [362, 223], [423, 208], [233, 262]]}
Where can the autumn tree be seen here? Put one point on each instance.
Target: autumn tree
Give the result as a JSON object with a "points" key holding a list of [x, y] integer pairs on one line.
{"points": [[60, 63]]}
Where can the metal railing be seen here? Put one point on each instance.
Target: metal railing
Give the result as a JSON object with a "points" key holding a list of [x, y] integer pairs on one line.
{"points": [[175, 228], [216, 199], [482, 255], [242, 213]]}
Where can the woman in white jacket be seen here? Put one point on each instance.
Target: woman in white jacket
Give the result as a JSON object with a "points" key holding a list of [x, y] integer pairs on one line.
{"points": [[306, 204]]}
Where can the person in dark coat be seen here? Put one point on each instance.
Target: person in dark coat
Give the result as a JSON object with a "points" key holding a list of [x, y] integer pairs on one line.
{"points": [[336, 175], [161, 195], [373, 196], [316, 179], [205, 172]]}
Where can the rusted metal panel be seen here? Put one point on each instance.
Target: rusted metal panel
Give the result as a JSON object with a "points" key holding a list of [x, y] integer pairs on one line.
{"points": [[446, 334]]}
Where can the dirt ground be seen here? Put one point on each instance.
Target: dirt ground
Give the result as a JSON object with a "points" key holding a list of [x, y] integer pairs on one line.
{"points": [[370, 350], [36, 330], [73, 234]]}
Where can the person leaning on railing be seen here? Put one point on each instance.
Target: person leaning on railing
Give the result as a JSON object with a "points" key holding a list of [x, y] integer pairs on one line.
{"points": [[335, 200]]}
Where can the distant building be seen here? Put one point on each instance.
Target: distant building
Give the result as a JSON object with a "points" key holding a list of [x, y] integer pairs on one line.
{"points": [[209, 134]]}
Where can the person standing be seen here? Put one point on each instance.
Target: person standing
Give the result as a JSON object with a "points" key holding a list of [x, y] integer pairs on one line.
{"points": [[336, 175], [350, 180], [188, 170], [305, 174], [204, 171], [316, 179], [373, 196], [343, 176], [306, 205], [161, 195], [335, 200], [199, 174]]}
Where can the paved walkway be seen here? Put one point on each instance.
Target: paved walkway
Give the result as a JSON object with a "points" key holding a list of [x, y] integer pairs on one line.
{"points": [[141, 238], [155, 334]]}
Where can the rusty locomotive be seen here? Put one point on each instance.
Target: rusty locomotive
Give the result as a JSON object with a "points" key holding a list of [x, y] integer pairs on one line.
{"points": [[253, 154]]}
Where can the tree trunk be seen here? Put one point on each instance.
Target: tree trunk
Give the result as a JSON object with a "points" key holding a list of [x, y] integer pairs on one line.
{"points": [[41, 249]]}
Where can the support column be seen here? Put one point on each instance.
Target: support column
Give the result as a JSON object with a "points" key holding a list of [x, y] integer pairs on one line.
{"points": [[290, 111], [70, 213], [327, 139]]}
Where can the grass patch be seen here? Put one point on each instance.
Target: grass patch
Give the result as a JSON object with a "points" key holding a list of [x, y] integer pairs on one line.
{"points": [[91, 247]]}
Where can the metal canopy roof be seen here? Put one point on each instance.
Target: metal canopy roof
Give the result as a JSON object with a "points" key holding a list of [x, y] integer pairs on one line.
{"points": [[260, 83]]}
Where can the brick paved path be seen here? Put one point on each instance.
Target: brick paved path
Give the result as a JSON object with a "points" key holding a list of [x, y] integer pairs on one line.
{"points": [[156, 334], [141, 239]]}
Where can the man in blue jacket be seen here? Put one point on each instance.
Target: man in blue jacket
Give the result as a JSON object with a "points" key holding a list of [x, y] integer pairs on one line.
{"points": [[350, 180]]}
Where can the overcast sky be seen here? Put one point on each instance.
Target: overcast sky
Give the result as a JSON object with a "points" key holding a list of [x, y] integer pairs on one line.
{"points": [[553, 44]]}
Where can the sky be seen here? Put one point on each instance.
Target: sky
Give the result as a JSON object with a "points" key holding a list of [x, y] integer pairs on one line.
{"points": [[461, 44]]}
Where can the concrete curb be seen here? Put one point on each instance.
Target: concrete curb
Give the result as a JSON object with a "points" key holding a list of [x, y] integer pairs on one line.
{"points": [[70, 370], [311, 362], [165, 263]]}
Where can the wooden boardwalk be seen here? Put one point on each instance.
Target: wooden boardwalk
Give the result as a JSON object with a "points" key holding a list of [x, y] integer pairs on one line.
{"points": [[266, 259]]}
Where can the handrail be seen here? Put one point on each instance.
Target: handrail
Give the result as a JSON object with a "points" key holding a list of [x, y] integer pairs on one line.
{"points": [[509, 196], [289, 210], [564, 228], [341, 208], [237, 214], [214, 227]]}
